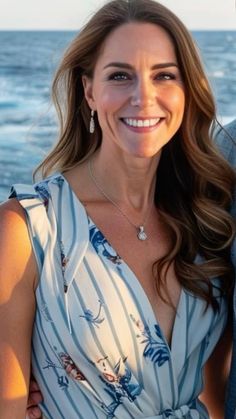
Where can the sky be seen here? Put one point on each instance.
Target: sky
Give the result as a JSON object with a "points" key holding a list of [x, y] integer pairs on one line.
{"points": [[72, 14]]}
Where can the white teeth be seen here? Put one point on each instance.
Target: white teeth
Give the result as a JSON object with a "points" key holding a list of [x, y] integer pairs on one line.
{"points": [[141, 122]]}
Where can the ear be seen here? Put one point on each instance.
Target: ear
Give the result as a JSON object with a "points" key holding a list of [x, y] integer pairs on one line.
{"points": [[88, 91]]}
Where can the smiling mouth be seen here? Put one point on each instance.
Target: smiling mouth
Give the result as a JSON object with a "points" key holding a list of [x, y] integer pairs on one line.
{"points": [[141, 123]]}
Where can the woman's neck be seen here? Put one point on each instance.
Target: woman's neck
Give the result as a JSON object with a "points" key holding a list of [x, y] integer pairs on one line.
{"points": [[128, 181]]}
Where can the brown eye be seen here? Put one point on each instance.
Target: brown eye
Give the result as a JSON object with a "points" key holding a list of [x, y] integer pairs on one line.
{"points": [[119, 76], [165, 76]]}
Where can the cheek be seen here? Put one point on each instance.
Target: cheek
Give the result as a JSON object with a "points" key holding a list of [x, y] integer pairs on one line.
{"points": [[177, 100], [110, 100]]}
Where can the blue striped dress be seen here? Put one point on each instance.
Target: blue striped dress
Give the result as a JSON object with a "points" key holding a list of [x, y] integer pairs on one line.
{"points": [[98, 351]]}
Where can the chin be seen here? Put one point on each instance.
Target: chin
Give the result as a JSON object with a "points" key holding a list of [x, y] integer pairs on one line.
{"points": [[146, 152], [144, 155]]}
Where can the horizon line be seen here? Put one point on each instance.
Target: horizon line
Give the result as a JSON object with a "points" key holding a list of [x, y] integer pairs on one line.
{"points": [[77, 29]]}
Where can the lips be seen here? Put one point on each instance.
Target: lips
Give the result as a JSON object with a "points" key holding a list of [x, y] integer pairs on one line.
{"points": [[141, 123]]}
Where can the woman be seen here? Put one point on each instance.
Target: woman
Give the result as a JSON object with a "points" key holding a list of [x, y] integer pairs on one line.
{"points": [[128, 256]]}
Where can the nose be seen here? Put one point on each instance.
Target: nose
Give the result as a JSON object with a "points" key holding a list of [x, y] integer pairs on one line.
{"points": [[143, 94]]}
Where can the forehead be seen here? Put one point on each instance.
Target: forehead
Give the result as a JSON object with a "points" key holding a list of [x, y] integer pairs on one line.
{"points": [[137, 39]]}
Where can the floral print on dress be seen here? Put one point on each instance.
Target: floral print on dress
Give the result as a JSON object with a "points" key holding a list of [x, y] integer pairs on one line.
{"points": [[102, 246], [68, 365], [96, 320], [182, 412], [42, 190], [155, 347], [119, 384], [62, 380], [64, 262], [72, 370], [115, 385]]}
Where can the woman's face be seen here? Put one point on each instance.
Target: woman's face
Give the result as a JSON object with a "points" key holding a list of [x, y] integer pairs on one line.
{"points": [[137, 90]]}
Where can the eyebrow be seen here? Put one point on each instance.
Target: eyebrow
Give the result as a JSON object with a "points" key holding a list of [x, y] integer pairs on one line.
{"points": [[130, 67]]}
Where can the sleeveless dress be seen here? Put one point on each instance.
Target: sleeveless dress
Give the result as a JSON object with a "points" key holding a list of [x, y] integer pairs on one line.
{"points": [[98, 351]]}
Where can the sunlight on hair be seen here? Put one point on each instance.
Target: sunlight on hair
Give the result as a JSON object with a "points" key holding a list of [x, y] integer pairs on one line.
{"points": [[204, 84]]}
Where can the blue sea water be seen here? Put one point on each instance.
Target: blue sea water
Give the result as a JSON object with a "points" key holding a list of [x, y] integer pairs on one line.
{"points": [[27, 121]]}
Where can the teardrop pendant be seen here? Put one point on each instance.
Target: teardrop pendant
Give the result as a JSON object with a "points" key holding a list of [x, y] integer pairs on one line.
{"points": [[141, 233]]}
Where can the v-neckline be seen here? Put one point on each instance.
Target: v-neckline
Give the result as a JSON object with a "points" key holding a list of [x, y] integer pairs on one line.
{"points": [[140, 290], [136, 282]]}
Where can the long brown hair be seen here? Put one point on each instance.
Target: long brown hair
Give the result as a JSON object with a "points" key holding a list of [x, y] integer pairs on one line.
{"points": [[195, 184]]}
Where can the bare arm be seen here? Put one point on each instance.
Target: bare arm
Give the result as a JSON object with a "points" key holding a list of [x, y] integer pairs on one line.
{"points": [[17, 305], [216, 376]]}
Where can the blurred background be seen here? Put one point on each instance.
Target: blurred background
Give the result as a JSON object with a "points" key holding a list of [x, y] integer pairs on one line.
{"points": [[32, 40]]}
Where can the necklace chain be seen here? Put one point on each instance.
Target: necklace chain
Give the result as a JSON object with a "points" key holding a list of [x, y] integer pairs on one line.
{"points": [[141, 234]]}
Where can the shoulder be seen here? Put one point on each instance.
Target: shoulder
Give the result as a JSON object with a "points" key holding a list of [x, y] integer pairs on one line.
{"points": [[40, 190], [12, 218], [38, 206], [39, 201], [25, 226], [16, 257], [11, 208]]}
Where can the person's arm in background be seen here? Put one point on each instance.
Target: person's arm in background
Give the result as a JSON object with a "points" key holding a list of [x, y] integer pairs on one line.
{"points": [[226, 142], [216, 374]]}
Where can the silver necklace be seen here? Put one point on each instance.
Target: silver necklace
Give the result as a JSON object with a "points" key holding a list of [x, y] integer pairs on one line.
{"points": [[141, 234]]}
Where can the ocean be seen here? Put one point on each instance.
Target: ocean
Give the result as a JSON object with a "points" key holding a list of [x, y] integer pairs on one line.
{"points": [[28, 124]]}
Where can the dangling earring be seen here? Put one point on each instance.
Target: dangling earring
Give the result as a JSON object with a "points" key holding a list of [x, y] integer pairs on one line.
{"points": [[92, 123]]}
